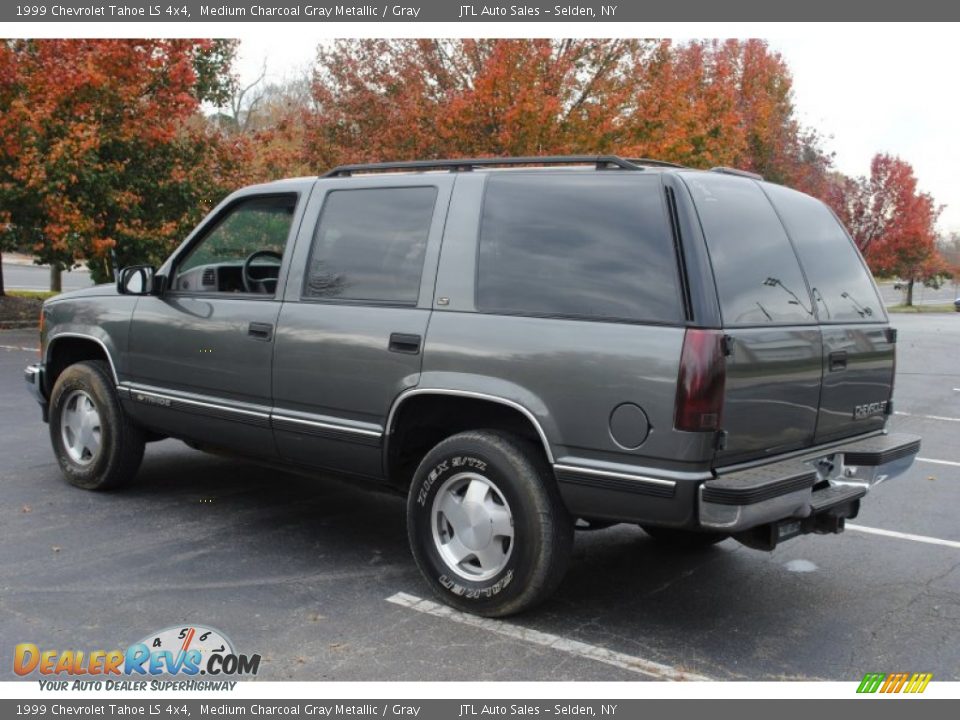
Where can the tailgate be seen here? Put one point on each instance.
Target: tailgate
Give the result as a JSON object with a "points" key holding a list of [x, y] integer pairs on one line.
{"points": [[810, 355], [858, 349], [858, 367], [774, 363]]}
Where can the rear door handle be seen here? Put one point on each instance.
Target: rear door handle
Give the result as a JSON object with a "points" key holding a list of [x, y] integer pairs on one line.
{"points": [[403, 343], [838, 360], [260, 331]]}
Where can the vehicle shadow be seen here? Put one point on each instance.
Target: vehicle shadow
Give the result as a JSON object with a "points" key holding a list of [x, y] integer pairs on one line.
{"points": [[700, 610]]}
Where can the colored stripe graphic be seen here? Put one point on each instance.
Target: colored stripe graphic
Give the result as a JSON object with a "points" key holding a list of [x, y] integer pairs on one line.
{"points": [[871, 682], [894, 682], [919, 682]]}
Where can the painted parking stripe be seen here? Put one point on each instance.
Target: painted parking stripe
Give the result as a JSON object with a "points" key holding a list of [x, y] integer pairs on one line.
{"points": [[926, 417], [555, 642], [952, 463], [19, 347], [904, 536]]}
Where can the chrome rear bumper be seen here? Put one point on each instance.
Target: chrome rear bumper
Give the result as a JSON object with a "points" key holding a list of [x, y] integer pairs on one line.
{"points": [[804, 487]]}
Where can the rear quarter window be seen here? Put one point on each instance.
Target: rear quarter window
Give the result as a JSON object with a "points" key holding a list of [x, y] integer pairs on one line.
{"points": [[756, 270], [839, 281], [579, 245]]}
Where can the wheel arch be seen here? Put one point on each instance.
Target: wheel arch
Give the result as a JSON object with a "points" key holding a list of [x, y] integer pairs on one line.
{"points": [[432, 414], [67, 348]]}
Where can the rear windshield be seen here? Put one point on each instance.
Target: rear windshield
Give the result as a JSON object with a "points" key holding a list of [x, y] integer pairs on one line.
{"points": [[839, 281], [580, 245], [758, 277]]}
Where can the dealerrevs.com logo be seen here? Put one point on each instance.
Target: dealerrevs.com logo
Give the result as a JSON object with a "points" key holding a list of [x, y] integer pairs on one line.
{"points": [[189, 651]]}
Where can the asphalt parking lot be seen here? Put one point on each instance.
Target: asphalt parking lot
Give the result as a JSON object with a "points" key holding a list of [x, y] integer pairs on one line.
{"points": [[316, 576]]}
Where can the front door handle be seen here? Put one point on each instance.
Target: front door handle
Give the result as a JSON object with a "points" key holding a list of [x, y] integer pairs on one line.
{"points": [[260, 331], [403, 343], [838, 360]]}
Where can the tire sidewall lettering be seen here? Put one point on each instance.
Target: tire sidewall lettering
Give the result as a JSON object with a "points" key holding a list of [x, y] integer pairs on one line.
{"points": [[456, 586], [477, 593], [458, 462]]}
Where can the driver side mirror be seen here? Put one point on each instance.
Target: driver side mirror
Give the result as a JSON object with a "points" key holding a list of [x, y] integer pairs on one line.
{"points": [[139, 280]]}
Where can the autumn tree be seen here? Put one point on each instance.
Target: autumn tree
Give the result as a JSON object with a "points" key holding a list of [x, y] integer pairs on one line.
{"points": [[892, 222], [102, 147], [264, 125], [404, 99], [699, 103]]}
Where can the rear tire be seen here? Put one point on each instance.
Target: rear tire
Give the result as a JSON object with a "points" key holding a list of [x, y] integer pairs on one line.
{"points": [[96, 445], [683, 539], [486, 524]]}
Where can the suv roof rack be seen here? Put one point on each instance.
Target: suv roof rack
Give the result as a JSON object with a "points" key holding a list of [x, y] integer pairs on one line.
{"points": [[737, 171], [656, 163], [603, 162]]}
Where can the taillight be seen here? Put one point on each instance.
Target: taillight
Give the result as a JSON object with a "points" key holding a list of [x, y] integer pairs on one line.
{"points": [[700, 382], [41, 332]]}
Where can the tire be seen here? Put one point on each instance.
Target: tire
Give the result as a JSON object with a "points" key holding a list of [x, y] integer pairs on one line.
{"points": [[96, 445], [683, 539], [513, 540]]}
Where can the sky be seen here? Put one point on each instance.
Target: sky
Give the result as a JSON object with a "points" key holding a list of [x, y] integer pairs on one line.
{"points": [[866, 92]]}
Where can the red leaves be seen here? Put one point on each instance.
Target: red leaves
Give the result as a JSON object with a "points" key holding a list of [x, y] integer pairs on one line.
{"points": [[891, 220], [700, 103], [90, 135]]}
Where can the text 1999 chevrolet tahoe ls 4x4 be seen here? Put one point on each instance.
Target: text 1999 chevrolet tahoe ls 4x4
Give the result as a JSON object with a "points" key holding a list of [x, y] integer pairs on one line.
{"points": [[517, 345]]}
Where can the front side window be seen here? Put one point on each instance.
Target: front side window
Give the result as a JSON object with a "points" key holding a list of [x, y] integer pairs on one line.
{"points": [[580, 245], [370, 244], [242, 252]]}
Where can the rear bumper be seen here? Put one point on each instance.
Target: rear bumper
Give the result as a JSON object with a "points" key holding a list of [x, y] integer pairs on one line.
{"points": [[809, 487], [33, 376]]}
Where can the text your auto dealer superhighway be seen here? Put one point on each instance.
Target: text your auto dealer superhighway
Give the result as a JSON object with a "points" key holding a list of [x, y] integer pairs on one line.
{"points": [[294, 11]]}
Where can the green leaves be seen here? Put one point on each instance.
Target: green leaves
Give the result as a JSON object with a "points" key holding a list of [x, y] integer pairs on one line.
{"points": [[99, 149]]}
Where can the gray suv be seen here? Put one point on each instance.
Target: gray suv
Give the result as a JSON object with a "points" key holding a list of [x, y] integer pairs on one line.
{"points": [[520, 346]]}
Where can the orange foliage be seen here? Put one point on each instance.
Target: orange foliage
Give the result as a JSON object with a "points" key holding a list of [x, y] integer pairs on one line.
{"points": [[700, 103], [95, 151]]}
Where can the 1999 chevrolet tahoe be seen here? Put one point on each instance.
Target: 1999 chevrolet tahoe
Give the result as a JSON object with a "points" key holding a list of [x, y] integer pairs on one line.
{"points": [[519, 346]]}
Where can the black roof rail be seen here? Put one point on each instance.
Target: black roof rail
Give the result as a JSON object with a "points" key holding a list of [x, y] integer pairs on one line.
{"points": [[655, 163], [603, 162], [737, 171]]}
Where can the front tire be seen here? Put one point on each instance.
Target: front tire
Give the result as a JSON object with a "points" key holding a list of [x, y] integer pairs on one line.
{"points": [[486, 524], [96, 445]]}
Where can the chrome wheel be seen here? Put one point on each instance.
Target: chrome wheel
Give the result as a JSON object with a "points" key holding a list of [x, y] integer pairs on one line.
{"points": [[472, 526], [80, 428]]}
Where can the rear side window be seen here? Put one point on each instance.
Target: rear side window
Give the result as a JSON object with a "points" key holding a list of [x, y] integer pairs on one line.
{"points": [[839, 282], [583, 245], [370, 244], [756, 270]]}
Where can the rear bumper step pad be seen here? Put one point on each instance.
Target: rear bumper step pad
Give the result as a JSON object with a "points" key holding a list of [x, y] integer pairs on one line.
{"points": [[738, 501], [758, 484], [830, 497], [880, 450]]}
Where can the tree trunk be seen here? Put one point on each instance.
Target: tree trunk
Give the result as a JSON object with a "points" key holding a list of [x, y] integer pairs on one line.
{"points": [[2, 291], [56, 280], [909, 302]]}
